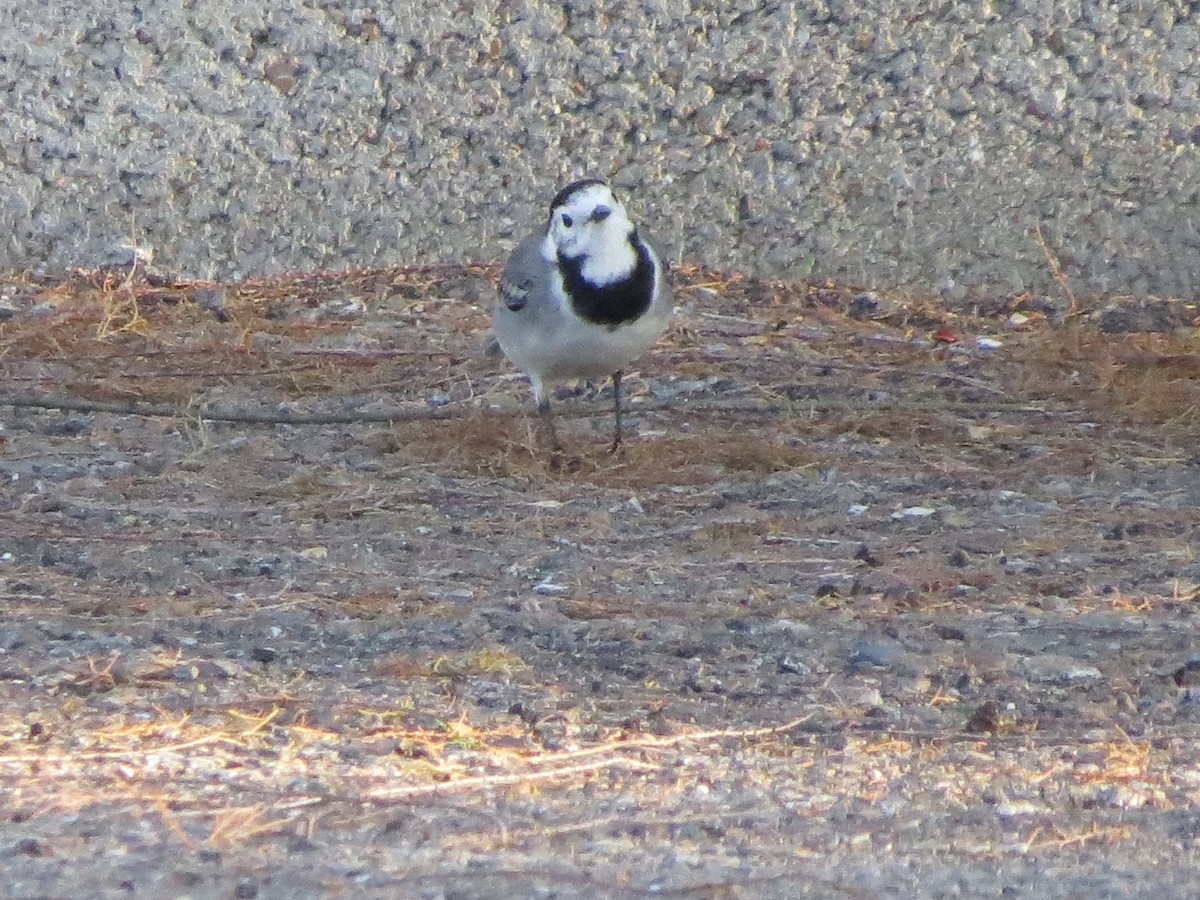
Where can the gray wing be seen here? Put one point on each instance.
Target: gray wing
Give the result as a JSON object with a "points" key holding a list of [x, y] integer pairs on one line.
{"points": [[524, 273], [649, 241], [664, 268]]}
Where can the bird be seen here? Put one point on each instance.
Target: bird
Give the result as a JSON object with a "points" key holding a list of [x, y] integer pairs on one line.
{"points": [[581, 297]]}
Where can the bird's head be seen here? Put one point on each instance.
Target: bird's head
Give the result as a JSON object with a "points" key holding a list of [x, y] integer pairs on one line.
{"points": [[588, 223]]}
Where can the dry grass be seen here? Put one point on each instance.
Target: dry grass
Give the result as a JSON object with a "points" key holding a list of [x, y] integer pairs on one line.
{"points": [[1144, 379], [103, 339]]}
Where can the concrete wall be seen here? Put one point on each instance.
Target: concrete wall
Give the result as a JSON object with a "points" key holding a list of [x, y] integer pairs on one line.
{"points": [[891, 142]]}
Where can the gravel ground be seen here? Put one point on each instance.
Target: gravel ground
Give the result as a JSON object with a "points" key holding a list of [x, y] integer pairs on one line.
{"points": [[879, 600], [888, 143]]}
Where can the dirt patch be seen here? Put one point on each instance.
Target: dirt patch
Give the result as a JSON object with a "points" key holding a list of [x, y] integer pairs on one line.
{"points": [[882, 599]]}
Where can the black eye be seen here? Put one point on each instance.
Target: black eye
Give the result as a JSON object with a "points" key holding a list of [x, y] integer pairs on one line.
{"points": [[567, 221]]}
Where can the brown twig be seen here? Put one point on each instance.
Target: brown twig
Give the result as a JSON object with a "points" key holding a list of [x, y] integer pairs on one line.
{"points": [[508, 779], [139, 753], [1056, 270], [215, 414]]}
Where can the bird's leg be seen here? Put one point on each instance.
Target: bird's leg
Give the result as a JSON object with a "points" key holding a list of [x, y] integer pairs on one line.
{"points": [[542, 398], [547, 424], [616, 379]]}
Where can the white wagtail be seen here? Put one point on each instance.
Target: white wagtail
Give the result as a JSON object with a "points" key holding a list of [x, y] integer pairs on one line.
{"points": [[581, 297]]}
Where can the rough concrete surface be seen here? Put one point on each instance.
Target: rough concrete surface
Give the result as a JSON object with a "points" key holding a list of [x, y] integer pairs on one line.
{"points": [[893, 142]]}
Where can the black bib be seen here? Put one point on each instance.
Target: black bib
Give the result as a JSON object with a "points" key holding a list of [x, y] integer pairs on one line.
{"points": [[615, 303]]}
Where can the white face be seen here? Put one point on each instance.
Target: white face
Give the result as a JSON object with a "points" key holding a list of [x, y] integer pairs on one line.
{"points": [[594, 225]]}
